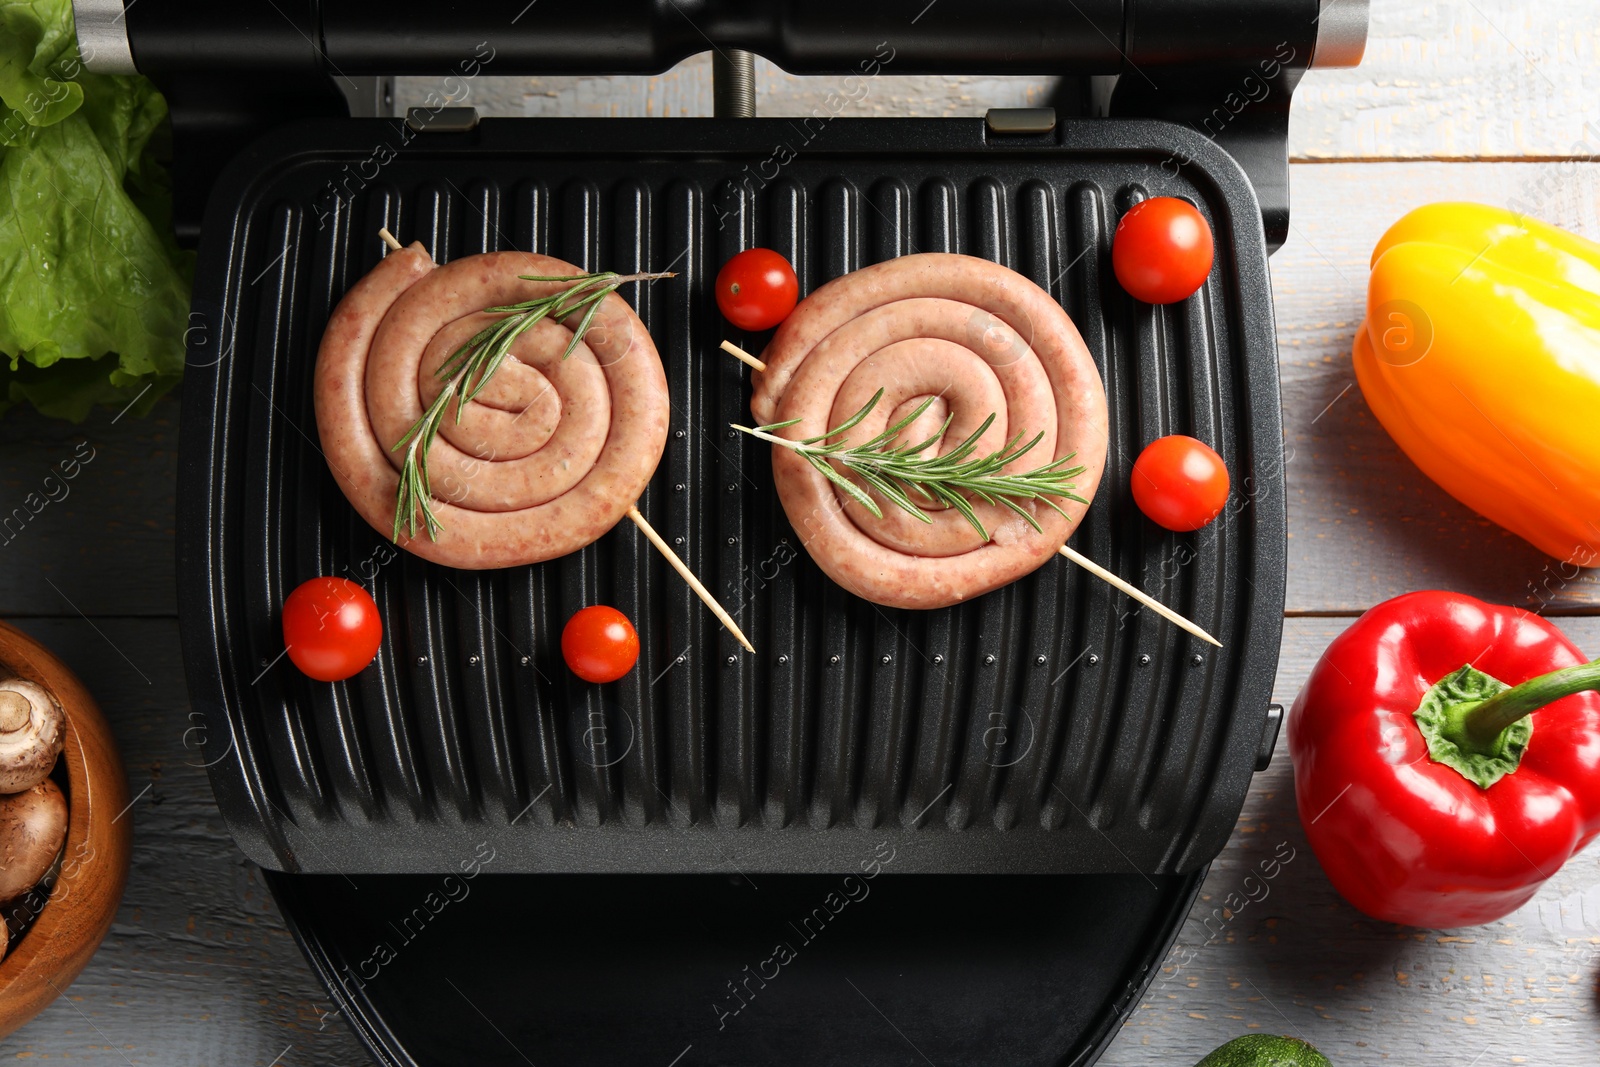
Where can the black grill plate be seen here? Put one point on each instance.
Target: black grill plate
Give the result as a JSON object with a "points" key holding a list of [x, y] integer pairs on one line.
{"points": [[1046, 727]]}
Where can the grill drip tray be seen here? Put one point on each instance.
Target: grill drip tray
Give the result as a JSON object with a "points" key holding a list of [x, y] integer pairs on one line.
{"points": [[601, 970]]}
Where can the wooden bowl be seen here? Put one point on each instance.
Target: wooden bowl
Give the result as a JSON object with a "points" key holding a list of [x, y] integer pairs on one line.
{"points": [[94, 867]]}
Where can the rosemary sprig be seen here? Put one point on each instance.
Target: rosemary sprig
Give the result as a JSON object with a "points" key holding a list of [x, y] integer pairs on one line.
{"points": [[951, 479], [470, 367]]}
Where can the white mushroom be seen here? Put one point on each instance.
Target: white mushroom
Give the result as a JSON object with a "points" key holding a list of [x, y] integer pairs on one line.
{"points": [[33, 827], [32, 728]]}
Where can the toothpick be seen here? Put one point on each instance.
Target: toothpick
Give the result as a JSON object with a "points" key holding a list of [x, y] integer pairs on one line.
{"points": [[1148, 601], [742, 356], [688, 575], [389, 239]]}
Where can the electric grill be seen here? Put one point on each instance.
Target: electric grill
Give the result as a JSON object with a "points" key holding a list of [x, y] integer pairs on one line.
{"points": [[464, 833]]}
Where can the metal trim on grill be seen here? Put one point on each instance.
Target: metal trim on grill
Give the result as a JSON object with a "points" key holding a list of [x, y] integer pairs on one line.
{"points": [[1341, 33], [103, 36]]}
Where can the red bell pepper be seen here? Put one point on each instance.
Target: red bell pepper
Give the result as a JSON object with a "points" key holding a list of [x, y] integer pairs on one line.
{"points": [[1447, 758]]}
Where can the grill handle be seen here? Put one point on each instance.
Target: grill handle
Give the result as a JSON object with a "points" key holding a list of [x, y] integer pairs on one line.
{"points": [[360, 37]]}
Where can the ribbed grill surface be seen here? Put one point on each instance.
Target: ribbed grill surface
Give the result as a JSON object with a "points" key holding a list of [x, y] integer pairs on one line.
{"points": [[1046, 726]]}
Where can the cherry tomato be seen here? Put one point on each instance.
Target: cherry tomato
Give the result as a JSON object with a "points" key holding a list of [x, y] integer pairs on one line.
{"points": [[1180, 483], [757, 289], [600, 644], [331, 628], [1162, 250]]}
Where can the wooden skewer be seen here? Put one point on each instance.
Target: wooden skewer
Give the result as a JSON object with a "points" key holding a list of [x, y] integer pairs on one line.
{"points": [[742, 356], [688, 575], [1148, 601], [389, 239]]}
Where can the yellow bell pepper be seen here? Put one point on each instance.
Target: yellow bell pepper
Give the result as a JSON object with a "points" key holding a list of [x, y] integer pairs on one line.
{"points": [[1480, 354]]}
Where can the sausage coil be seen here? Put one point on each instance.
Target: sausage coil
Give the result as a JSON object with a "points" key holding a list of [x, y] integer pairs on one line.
{"points": [[545, 460], [982, 340]]}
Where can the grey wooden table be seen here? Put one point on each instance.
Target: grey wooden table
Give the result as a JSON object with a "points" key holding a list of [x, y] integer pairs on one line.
{"points": [[1459, 99]]}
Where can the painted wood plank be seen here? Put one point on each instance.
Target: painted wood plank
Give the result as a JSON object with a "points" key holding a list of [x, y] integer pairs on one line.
{"points": [[1456, 79], [1365, 524], [1298, 960], [1459, 79], [86, 513]]}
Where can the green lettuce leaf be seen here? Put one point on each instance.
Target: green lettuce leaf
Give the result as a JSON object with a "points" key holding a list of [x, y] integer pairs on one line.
{"points": [[94, 292], [37, 57]]}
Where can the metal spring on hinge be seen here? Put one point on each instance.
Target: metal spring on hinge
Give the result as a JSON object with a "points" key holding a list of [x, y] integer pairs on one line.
{"points": [[733, 83]]}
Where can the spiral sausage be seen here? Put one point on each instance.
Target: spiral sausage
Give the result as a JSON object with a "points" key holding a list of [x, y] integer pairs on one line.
{"points": [[979, 338], [548, 457]]}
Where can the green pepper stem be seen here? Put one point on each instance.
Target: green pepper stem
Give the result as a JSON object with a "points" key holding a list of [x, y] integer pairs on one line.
{"points": [[1485, 723]]}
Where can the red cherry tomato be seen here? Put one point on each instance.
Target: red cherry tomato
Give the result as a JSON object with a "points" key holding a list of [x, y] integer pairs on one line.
{"points": [[600, 644], [757, 289], [331, 628], [1180, 483], [1162, 250]]}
